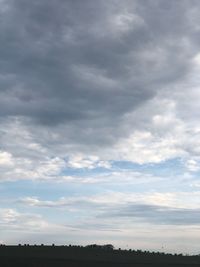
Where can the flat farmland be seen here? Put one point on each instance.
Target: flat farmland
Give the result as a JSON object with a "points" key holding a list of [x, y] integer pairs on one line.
{"points": [[63, 256]]}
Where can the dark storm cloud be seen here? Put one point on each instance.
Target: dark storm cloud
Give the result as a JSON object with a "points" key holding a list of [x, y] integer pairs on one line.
{"points": [[87, 63]]}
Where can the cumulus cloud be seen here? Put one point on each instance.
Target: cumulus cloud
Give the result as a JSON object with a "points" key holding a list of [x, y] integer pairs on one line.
{"points": [[74, 76], [90, 162]]}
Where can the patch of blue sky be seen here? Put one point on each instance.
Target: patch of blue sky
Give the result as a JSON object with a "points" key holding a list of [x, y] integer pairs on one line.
{"points": [[143, 187], [60, 215], [46, 190], [26, 188], [173, 166], [169, 173], [169, 176], [84, 172]]}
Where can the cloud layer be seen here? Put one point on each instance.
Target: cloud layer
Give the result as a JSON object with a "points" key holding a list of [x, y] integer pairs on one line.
{"points": [[107, 77], [99, 97], [87, 65]]}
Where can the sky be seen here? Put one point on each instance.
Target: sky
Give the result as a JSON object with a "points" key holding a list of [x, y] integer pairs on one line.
{"points": [[99, 123]]}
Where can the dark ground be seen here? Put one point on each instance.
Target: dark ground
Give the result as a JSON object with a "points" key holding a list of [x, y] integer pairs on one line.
{"points": [[63, 256]]}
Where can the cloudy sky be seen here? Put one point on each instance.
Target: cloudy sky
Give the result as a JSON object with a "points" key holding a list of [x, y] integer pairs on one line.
{"points": [[100, 123]]}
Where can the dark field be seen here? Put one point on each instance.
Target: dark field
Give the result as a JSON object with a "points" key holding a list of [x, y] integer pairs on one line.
{"points": [[63, 256]]}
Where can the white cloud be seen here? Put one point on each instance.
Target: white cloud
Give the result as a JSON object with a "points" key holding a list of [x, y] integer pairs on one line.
{"points": [[79, 161], [160, 139], [24, 168], [192, 165], [118, 177], [5, 159], [14, 220], [143, 147], [114, 199], [160, 134]]}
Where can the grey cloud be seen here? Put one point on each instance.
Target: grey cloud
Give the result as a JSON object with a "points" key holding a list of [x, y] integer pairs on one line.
{"points": [[158, 214], [86, 64], [95, 225], [138, 212]]}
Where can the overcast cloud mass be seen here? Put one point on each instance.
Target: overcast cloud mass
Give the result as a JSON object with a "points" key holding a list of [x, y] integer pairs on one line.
{"points": [[99, 123]]}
